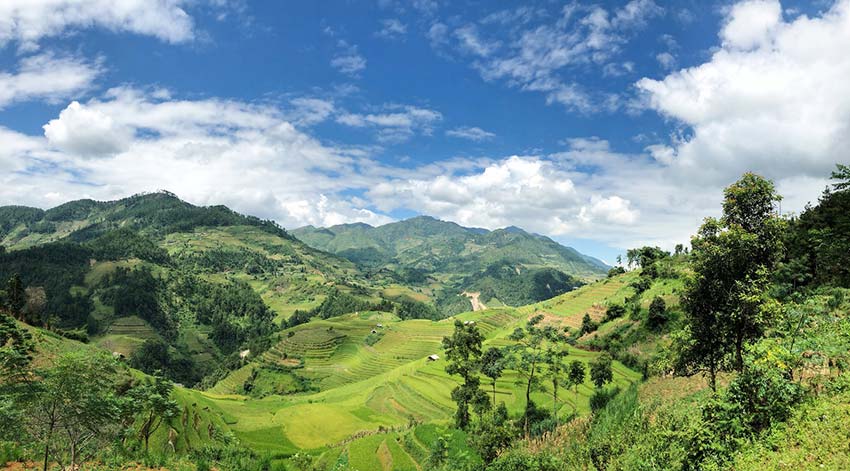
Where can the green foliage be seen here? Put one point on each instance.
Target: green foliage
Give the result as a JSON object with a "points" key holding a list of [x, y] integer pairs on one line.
{"points": [[614, 311], [493, 363], [124, 243], [657, 316], [492, 432], [601, 397], [587, 325], [726, 300], [618, 270], [463, 352], [409, 309], [600, 370], [151, 399]]}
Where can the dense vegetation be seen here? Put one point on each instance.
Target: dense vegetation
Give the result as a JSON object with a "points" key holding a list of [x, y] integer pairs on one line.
{"points": [[729, 354]]}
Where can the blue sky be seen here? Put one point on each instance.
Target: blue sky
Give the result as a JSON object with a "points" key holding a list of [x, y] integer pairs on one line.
{"points": [[603, 125]]}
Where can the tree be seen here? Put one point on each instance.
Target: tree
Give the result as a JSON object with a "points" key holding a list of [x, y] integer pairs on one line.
{"points": [[16, 348], [725, 300], [492, 433], [842, 174], [657, 316], [35, 304], [463, 352], [528, 354], [600, 370], [492, 365], [152, 397], [15, 296], [587, 325], [73, 405], [575, 378], [555, 365]]}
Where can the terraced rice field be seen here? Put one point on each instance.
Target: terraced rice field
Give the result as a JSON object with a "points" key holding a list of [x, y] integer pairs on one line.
{"points": [[388, 384]]}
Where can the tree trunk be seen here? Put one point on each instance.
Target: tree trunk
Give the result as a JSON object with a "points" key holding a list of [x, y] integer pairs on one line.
{"points": [[555, 401], [494, 394], [528, 397], [712, 377]]}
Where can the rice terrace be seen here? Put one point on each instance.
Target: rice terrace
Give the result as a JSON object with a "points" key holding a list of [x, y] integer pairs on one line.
{"points": [[423, 235]]}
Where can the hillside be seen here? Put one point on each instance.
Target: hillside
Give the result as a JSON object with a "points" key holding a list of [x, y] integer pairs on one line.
{"points": [[442, 259], [194, 283]]}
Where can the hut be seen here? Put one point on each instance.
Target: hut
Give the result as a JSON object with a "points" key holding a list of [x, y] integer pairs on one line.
{"points": [[433, 357]]}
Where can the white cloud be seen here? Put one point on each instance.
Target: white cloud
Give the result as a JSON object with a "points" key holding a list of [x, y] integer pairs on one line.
{"points": [[530, 192], [542, 56], [471, 133], [308, 111], [392, 29], [86, 132], [751, 24], [349, 64], [773, 99], [48, 77], [207, 151], [397, 124], [28, 21], [666, 60]]}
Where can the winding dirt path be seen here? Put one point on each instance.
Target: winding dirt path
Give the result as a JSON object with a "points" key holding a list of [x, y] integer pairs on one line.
{"points": [[477, 305]]}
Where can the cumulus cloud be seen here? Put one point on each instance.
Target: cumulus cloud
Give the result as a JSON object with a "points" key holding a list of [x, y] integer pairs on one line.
{"points": [[48, 77], [773, 98], [208, 151], [471, 133], [86, 132], [531, 192], [27, 21]]}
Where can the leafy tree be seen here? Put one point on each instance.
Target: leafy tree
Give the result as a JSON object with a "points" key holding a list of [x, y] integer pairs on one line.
{"points": [[643, 257], [73, 405], [555, 370], [842, 174], [493, 432], [463, 351], [34, 307], [16, 348], [600, 370], [614, 311], [575, 378], [618, 270], [15, 296], [492, 365], [152, 398], [726, 299], [587, 325], [529, 355], [657, 316]]}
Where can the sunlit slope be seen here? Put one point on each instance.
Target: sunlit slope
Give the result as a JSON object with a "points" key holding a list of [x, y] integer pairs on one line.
{"points": [[360, 387]]}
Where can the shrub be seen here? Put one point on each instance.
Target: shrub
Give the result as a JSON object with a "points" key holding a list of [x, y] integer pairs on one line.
{"points": [[601, 397]]}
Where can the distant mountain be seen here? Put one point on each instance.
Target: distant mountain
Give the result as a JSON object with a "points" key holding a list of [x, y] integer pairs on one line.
{"points": [[505, 266], [155, 214], [430, 245]]}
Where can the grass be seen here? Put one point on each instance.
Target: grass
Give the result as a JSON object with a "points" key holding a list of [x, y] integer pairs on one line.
{"points": [[361, 388]]}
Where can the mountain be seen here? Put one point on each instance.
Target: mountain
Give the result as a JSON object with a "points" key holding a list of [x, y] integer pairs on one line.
{"points": [[444, 260], [187, 285]]}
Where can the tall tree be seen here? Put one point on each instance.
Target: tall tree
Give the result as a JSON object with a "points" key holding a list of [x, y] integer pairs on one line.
{"points": [[528, 355], [73, 405], [575, 378], [153, 399], [600, 370], [492, 365], [463, 351], [726, 298], [556, 367], [15, 296]]}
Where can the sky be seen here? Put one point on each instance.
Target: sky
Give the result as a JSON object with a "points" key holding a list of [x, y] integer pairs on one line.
{"points": [[603, 125]]}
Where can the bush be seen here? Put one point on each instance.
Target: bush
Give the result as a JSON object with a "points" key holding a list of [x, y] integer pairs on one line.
{"points": [[601, 397], [657, 316], [614, 311]]}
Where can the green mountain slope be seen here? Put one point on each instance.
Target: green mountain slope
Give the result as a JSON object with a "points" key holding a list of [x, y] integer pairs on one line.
{"points": [[444, 260]]}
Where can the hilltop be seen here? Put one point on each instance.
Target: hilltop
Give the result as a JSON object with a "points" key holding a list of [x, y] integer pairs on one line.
{"points": [[442, 259]]}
